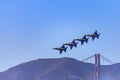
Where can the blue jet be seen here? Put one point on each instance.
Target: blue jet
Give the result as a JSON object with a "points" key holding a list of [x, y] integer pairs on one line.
{"points": [[94, 35], [61, 49], [71, 44], [83, 39]]}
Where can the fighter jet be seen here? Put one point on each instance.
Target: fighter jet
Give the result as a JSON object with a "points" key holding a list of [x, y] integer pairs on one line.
{"points": [[94, 35], [61, 49], [83, 39], [71, 44]]}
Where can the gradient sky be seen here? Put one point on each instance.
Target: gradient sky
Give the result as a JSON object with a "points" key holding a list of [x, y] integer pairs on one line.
{"points": [[29, 29]]}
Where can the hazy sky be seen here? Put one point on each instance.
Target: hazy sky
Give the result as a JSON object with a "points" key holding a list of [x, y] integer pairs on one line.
{"points": [[29, 29]]}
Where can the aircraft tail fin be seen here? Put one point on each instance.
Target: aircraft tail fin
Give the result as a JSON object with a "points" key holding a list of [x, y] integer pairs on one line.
{"points": [[98, 36], [95, 32]]}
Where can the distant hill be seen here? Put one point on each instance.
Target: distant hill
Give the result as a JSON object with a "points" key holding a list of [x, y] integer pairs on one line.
{"points": [[59, 69]]}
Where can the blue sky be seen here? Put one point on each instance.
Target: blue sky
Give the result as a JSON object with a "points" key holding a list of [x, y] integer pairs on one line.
{"points": [[29, 29]]}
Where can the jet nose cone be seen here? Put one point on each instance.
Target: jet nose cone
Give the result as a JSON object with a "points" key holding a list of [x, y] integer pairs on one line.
{"points": [[54, 48]]}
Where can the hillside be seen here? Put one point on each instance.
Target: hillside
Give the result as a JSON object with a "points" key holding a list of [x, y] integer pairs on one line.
{"points": [[59, 69]]}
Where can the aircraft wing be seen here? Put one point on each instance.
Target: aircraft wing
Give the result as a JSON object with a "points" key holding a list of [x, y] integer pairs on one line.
{"points": [[61, 51], [82, 42], [71, 47], [93, 37]]}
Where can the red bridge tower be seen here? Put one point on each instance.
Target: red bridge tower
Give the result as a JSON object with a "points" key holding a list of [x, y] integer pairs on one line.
{"points": [[97, 66]]}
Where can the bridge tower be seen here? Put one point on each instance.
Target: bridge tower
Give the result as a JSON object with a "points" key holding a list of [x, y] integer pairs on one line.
{"points": [[97, 66]]}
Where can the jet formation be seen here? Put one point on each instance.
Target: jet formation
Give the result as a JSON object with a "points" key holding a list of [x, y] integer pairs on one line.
{"points": [[74, 42]]}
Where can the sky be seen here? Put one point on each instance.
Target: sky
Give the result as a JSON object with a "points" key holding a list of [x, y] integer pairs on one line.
{"points": [[29, 29]]}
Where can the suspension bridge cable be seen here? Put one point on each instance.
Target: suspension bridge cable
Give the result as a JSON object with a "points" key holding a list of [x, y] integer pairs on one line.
{"points": [[88, 58], [107, 60]]}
